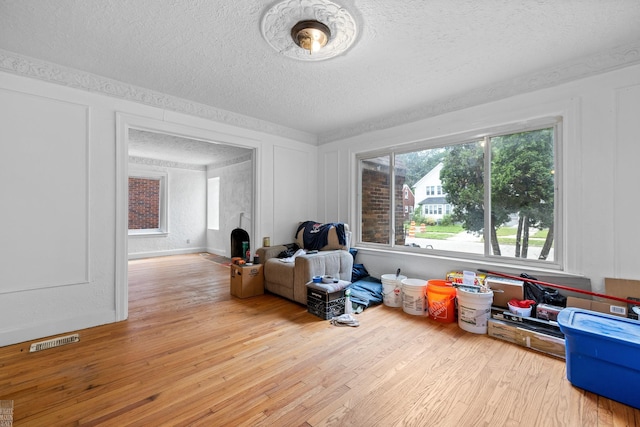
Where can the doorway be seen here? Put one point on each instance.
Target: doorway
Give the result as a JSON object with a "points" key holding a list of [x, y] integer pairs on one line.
{"points": [[187, 157]]}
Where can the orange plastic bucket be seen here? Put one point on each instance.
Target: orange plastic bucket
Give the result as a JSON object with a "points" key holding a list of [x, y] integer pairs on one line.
{"points": [[441, 298]]}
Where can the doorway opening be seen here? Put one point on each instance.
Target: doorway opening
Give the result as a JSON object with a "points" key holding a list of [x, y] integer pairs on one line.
{"points": [[186, 158]]}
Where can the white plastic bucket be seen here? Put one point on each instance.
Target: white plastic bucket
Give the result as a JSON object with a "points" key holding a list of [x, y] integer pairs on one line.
{"points": [[414, 296], [474, 310], [392, 290], [520, 311]]}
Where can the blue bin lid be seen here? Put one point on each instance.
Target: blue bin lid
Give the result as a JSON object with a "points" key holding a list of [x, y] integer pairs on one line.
{"points": [[572, 319]]}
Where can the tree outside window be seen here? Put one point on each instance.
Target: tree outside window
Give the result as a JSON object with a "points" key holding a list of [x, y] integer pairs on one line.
{"points": [[499, 189]]}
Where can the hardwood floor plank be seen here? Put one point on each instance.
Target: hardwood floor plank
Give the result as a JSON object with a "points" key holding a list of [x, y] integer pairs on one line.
{"points": [[190, 354]]}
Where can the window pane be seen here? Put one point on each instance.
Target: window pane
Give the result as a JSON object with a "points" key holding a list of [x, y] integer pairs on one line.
{"points": [[522, 199], [462, 177], [431, 173], [420, 172], [376, 199], [144, 203]]}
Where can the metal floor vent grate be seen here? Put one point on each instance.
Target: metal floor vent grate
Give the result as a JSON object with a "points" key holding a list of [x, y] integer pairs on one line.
{"points": [[55, 342]]}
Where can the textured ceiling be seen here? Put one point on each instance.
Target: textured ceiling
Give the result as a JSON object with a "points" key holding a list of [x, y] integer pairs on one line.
{"points": [[182, 152], [411, 58]]}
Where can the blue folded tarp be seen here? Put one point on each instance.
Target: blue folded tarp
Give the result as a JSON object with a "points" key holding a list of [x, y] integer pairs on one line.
{"points": [[366, 292]]}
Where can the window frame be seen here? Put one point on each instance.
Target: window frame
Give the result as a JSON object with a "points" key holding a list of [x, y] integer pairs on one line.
{"points": [[163, 220], [555, 122]]}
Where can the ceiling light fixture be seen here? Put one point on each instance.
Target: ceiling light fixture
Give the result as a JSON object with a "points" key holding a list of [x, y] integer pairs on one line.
{"points": [[310, 35], [295, 28]]}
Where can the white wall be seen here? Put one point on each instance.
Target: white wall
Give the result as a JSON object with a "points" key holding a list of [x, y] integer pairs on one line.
{"points": [[296, 198], [236, 197], [601, 148], [62, 268], [63, 265], [187, 211]]}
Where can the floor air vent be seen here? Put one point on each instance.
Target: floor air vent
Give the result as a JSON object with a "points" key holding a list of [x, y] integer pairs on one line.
{"points": [[55, 342]]}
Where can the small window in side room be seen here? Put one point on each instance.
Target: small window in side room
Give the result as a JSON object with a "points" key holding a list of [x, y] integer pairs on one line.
{"points": [[147, 203], [213, 203]]}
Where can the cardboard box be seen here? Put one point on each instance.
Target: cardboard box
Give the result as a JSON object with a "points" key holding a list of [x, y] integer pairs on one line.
{"points": [[505, 331], [247, 280], [504, 290], [457, 277], [599, 306], [627, 289], [602, 354], [547, 312]]}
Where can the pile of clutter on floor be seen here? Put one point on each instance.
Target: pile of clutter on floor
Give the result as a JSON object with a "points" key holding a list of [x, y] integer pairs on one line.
{"points": [[599, 338]]}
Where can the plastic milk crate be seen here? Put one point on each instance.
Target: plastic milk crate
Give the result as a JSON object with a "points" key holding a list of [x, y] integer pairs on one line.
{"points": [[323, 303]]}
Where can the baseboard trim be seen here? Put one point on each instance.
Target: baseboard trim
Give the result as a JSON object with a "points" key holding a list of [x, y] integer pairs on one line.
{"points": [[140, 255], [50, 328], [217, 251]]}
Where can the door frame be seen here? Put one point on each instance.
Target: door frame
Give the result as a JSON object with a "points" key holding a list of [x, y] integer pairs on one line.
{"points": [[125, 122]]}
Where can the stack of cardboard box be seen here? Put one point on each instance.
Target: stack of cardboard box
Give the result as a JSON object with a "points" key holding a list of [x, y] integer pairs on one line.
{"points": [[620, 288]]}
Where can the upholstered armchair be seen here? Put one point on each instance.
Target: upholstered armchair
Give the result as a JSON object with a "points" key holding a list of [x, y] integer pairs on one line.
{"points": [[289, 279]]}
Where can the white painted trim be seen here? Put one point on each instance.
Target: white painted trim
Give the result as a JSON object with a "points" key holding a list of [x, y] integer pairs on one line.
{"points": [[48, 328], [163, 220], [152, 254], [122, 220], [86, 261], [124, 122], [54, 73], [216, 251], [612, 59]]}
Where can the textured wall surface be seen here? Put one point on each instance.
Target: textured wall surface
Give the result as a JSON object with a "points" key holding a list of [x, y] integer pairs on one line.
{"points": [[186, 216], [236, 198]]}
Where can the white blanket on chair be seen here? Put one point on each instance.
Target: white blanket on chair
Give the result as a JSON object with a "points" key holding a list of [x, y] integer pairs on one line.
{"points": [[293, 257]]}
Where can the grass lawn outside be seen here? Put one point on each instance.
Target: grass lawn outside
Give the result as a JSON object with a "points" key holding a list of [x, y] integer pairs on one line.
{"points": [[439, 232], [506, 235]]}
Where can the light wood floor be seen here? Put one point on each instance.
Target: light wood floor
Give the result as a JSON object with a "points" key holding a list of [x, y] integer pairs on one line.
{"points": [[192, 355]]}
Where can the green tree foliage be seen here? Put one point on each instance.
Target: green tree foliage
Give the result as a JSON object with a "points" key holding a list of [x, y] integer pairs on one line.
{"points": [[418, 164], [462, 177], [522, 183]]}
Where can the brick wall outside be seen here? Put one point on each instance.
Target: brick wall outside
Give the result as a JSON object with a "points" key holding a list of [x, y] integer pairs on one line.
{"points": [[144, 203], [376, 205]]}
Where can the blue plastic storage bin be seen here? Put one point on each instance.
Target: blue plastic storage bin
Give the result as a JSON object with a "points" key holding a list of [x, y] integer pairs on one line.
{"points": [[603, 353]]}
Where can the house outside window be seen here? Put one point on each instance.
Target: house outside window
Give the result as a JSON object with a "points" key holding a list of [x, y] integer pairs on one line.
{"points": [[515, 217]]}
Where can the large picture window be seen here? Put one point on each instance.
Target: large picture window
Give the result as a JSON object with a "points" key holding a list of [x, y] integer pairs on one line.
{"points": [[494, 195]]}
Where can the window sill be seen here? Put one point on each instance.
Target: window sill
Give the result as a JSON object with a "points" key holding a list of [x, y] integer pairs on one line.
{"points": [[494, 263], [147, 233]]}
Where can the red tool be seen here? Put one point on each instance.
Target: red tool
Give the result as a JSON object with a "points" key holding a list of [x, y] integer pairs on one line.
{"points": [[553, 285]]}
